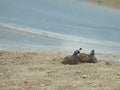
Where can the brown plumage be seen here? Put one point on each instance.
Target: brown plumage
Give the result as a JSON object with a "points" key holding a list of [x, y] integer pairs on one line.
{"points": [[71, 59], [82, 57]]}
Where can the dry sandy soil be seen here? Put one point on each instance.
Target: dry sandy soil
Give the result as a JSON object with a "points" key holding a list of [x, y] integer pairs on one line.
{"points": [[110, 3], [44, 71]]}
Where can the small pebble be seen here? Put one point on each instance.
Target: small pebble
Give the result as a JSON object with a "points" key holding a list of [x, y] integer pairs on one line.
{"points": [[84, 76], [74, 85], [42, 85], [25, 82], [118, 74]]}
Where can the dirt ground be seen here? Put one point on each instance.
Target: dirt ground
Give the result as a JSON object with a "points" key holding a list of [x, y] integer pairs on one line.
{"points": [[44, 71]]}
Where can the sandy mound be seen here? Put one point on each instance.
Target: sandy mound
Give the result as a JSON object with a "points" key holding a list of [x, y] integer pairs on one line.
{"points": [[43, 71], [110, 3]]}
